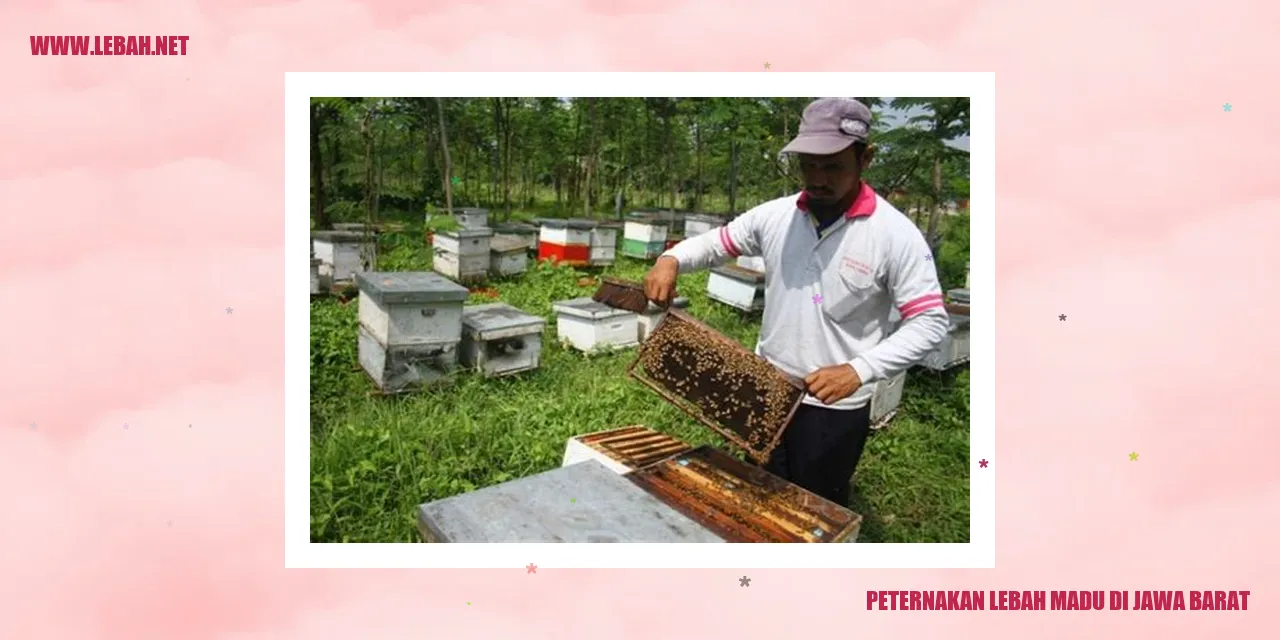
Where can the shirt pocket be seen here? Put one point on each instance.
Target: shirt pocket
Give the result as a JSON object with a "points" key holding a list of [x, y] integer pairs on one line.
{"points": [[846, 286]]}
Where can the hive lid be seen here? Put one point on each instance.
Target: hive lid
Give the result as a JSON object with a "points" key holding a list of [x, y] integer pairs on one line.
{"points": [[609, 224], [718, 382], [409, 287], [515, 227], [739, 273], [337, 236], [571, 223], [743, 503], [642, 217], [466, 234], [588, 308], [959, 295], [507, 244], [704, 217], [498, 316], [605, 508]]}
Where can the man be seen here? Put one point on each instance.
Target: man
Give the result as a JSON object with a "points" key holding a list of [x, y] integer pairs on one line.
{"points": [[838, 258]]}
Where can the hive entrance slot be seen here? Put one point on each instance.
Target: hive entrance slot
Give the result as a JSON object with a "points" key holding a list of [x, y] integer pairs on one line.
{"points": [[718, 382]]}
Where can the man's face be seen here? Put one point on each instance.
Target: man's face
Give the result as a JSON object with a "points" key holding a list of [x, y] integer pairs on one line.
{"points": [[830, 179]]}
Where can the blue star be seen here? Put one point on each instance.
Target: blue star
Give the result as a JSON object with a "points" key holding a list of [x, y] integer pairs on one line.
{"points": [[1226, 107]]}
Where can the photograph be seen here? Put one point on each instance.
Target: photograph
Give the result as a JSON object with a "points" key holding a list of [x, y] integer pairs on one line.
{"points": [[639, 319]]}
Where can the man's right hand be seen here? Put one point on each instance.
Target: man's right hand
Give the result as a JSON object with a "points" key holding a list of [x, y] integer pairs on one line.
{"points": [[660, 282]]}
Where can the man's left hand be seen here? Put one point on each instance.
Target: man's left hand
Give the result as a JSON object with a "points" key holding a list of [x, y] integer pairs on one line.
{"points": [[833, 384]]}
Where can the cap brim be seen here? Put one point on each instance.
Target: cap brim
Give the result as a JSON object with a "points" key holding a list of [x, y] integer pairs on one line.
{"points": [[820, 145]]}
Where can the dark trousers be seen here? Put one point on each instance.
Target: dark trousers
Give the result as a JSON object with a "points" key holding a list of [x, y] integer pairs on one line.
{"points": [[820, 449]]}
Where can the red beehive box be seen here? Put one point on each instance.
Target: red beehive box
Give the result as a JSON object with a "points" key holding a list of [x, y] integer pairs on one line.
{"points": [[567, 241]]}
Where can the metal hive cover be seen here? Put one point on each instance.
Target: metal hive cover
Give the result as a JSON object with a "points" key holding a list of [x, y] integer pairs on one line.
{"points": [[507, 244], [515, 227], [704, 217], [338, 236], [743, 503], [587, 308], [741, 274], [718, 382], [483, 232], [409, 287], [498, 316]]}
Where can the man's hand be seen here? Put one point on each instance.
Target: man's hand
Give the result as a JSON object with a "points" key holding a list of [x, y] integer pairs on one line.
{"points": [[833, 384], [660, 282]]}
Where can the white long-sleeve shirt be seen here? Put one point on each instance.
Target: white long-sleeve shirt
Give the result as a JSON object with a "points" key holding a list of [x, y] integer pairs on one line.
{"points": [[828, 295]]}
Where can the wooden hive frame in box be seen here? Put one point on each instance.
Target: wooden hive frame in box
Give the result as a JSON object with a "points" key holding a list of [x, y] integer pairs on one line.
{"points": [[742, 503], [748, 401]]}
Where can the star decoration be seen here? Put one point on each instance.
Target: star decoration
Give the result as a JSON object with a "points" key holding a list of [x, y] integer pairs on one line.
{"points": [[982, 463], [744, 581], [1227, 107], [766, 66], [928, 257], [455, 180], [1062, 317], [228, 310], [573, 499], [126, 426], [532, 568], [33, 426], [169, 523], [817, 298], [1133, 456]]}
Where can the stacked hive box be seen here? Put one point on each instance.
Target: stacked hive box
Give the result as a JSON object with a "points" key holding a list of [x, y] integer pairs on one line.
{"points": [[590, 326], [604, 244], [644, 236], [508, 255], [462, 254], [698, 224], [737, 287], [526, 233], [885, 400], [954, 349], [472, 218], [565, 241], [315, 277], [410, 327], [754, 263], [499, 339], [340, 253], [648, 320]]}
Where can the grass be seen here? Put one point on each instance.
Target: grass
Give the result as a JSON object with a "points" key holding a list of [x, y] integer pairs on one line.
{"points": [[375, 459]]}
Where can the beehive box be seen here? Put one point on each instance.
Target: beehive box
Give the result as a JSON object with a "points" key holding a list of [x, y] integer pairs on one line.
{"points": [[604, 244], [315, 277], [340, 253], [737, 287], [410, 307], [584, 502], [527, 233], [472, 217], [590, 326], [567, 241], [462, 254], [499, 339], [698, 223], [743, 503], [644, 236], [403, 369], [354, 227], [673, 240], [647, 321], [885, 400], [718, 382], [622, 450], [954, 350], [508, 256], [959, 296]]}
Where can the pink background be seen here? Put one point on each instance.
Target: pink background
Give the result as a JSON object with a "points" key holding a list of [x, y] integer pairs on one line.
{"points": [[143, 196]]}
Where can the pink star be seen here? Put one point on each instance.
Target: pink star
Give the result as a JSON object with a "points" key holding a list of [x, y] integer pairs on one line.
{"points": [[982, 463], [817, 298], [532, 568]]}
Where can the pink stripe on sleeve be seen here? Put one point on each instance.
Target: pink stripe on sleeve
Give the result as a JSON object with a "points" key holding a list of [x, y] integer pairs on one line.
{"points": [[920, 305], [727, 243]]}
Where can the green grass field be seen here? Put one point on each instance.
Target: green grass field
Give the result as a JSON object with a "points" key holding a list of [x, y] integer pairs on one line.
{"points": [[375, 459]]}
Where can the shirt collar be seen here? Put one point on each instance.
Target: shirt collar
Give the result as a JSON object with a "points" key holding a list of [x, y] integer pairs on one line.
{"points": [[863, 205]]}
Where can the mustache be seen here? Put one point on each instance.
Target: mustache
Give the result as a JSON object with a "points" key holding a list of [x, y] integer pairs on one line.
{"points": [[818, 191]]}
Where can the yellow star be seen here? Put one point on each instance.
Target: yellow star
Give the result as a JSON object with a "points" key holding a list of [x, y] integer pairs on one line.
{"points": [[1133, 457], [766, 66]]}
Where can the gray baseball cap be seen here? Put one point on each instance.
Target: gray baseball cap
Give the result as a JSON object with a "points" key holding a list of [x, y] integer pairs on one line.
{"points": [[830, 125]]}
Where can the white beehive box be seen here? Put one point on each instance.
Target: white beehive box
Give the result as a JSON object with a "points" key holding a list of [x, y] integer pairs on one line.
{"points": [[572, 232], [508, 256], [644, 236], [472, 217], [740, 288], [645, 231], [315, 276], [604, 244], [754, 263], [954, 349], [410, 327], [340, 253], [697, 224], [590, 326], [622, 450], [885, 400], [462, 254], [647, 321], [527, 233], [499, 339], [958, 296]]}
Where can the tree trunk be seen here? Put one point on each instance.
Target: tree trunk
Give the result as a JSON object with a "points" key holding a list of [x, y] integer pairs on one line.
{"points": [[697, 146], [448, 163], [936, 216], [733, 176], [366, 132], [591, 159], [317, 170]]}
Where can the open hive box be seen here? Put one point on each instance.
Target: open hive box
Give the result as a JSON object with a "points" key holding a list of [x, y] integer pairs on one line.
{"points": [[718, 382], [742, 503]]}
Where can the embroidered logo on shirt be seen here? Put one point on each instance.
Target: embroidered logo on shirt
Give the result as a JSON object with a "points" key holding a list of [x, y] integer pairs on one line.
{"points": [[856, 265]]}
